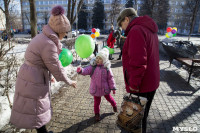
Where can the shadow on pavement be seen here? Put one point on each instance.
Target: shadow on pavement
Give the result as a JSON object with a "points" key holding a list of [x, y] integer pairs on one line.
{"points": [[115, 64], [78, 127], [181, 116], [179, 86]]}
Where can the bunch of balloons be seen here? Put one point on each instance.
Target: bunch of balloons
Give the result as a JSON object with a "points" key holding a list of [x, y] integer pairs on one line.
{"points": [[65, 57], [171, 32], [95, 33], [84, 46]]}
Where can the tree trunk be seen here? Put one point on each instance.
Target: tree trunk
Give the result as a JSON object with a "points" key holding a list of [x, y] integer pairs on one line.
{"points": [[33, 18], [152, 6], [71, 9], [6, 5], [22, 14], [194, 18]]}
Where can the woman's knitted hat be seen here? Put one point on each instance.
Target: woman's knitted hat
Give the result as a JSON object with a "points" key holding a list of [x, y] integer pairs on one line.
{"points": [[58, 21], [126, 13], [104, 53]]}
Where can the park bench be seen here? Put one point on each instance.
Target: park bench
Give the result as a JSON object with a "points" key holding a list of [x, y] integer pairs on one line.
{"points": [[190, 63], [185, 57]]}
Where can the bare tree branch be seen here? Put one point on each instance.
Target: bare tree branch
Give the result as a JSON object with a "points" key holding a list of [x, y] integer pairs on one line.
{"points": [[25, 13], [2, 10], [71, 13]]}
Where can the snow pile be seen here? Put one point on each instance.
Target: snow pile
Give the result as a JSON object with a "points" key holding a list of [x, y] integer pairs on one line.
{"points": [[5, 111]]}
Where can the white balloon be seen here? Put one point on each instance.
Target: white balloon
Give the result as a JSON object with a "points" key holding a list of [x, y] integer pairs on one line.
{"points": [[98, 30]]}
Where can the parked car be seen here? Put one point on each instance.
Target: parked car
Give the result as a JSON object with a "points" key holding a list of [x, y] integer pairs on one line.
{"points": [[88, 31], [104, 31], [74, 34], [81, 31]]}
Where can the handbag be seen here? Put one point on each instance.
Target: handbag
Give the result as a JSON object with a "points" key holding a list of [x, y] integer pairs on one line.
{"points": [[132, 112]]}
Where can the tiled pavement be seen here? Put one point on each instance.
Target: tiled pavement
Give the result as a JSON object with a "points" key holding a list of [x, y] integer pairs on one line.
{"points": [[176, 104]]}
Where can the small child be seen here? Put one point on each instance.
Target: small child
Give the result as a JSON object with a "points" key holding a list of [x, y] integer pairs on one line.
{"points": [[102, 81]]}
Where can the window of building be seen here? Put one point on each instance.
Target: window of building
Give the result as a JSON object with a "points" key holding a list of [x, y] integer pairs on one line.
{"points": [[107, 1], [37, 3], [50, 2], [182, 3], [27, 27], [185, 31], [176, 2], [90, 1], [46, 2]]}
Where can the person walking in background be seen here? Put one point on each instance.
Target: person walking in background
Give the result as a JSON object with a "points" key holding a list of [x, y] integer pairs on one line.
{"points": [[140, 57], [110, 43], [102, 81], [96, 47], [32, 105], [111, 28], [122, 40], [117, 35]]}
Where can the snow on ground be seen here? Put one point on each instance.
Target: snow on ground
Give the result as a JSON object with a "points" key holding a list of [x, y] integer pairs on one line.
{"points": [[21, 44]]}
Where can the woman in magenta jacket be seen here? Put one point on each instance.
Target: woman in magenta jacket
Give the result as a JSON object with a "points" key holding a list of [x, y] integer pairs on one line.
{"points": [[140, 57]]}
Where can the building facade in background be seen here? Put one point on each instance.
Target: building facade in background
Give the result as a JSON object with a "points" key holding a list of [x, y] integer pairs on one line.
{"points": [[178, 17], [43, 8]]}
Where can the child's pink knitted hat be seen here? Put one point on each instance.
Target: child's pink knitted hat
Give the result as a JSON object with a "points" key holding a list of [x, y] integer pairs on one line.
{"points": [[58, 21]]}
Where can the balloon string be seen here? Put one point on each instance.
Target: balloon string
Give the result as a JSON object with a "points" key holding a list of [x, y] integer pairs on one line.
{"points": [[77, 73]]}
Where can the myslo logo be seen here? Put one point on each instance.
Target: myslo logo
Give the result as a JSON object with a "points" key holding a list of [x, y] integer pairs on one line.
{"points": [[186, 129]]}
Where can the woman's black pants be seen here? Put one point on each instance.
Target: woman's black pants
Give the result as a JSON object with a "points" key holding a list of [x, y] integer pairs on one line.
{"points": [[149, 96]]}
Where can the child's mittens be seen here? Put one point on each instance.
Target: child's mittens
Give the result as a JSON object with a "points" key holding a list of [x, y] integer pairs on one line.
{"points": [[79, 69], [113, 91]]}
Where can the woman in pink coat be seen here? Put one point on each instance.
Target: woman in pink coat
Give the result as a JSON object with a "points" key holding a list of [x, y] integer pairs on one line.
{"points": [[102, 81], [32, 106]]}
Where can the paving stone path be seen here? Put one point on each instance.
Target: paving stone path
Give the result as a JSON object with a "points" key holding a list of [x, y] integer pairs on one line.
{"points": [[176, 104]]}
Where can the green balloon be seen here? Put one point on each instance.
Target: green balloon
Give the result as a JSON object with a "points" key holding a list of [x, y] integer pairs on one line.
{"points": [[174, 34], [65, 57], [84, 46], [111, 51], [106, 47]]}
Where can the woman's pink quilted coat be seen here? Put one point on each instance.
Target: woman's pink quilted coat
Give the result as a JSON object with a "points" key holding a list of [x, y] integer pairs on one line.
{"points": [[32, 106]]}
